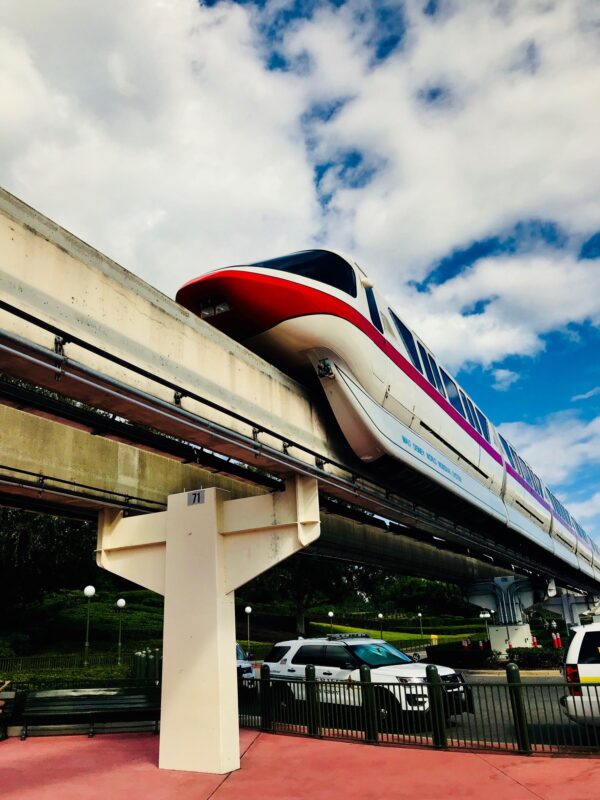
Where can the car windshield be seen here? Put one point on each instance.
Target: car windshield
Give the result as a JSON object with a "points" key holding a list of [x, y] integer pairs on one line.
{"points": [[379, 654], [239, 653]]}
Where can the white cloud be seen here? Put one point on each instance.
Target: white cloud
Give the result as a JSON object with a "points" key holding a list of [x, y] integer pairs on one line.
{"points": [[511, 143], [524, 297], [586, 395], [587, 513], [152, 130], [503, 379], [558, 446]]}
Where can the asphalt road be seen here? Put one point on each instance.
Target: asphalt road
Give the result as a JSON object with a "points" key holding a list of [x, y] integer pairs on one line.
{"points": [[493, 723]]}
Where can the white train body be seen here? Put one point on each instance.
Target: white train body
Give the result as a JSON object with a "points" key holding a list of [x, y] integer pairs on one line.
{"points": [[389, 394]]}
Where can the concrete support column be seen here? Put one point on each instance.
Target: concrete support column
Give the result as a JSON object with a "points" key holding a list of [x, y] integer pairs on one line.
{"points": [[571, 604], [506, 597], [196, 554], [199, 719]]}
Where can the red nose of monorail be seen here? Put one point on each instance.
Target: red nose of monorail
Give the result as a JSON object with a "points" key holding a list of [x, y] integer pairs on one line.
{"points": [[243, 303]]}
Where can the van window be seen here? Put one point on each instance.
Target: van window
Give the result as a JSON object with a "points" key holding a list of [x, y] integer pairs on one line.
{"points": [[590, 648], [276, 653], [308, 654], [337, 656]]}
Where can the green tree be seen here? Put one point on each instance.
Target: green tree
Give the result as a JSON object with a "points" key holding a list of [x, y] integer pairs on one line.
{"points": [[40, 553], [305, 581]]}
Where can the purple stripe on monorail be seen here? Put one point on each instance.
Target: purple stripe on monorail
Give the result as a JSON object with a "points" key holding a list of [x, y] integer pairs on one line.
{"points": [[514, 474]]}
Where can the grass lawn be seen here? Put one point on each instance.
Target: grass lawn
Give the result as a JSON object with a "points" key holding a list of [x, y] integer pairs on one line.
{"points": [[394, 637]]}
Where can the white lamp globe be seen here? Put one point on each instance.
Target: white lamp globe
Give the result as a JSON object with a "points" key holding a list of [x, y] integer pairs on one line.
{"points": [[121, 603], [248, 609], [330, 614], [379, 616], [89, 591]]}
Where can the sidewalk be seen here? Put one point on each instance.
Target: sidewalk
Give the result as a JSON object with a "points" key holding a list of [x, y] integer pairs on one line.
{"points": [[123, 767]]}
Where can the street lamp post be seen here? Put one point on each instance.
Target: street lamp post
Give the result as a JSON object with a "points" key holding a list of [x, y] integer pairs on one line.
{"points": [[89, 592], [485, 615], [330, 615], [248, 611], [120, 605], [420, 616], [380, 618]]}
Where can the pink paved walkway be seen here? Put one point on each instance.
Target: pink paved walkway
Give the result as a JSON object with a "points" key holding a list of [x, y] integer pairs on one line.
{"points": [[123, 767]]}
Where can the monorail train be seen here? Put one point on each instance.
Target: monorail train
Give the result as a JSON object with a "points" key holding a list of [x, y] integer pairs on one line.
{"points": [[389, 393]]}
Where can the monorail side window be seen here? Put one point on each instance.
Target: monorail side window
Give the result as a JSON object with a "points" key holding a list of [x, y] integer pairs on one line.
{"points": [[538, 484], [472, 407], [452, 391], [436, 374], [555, 504], [318, 265], [426, 364], [508, 452], [484, 424], [408, 340], [521, 467], [470, 410], [373, 310]]}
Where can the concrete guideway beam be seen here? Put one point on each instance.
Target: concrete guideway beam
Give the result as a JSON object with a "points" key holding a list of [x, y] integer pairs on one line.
{"points": [[55, 278], [44, 458], [197, 553], [55, 466]]}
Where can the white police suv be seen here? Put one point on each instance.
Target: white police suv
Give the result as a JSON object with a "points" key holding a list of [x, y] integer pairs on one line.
{"points": [[582, 673], [245, 670], [337, 659]]}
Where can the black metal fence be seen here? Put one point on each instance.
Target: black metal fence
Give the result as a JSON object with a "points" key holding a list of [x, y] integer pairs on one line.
{"points": [[12, 664], [442, 712]]}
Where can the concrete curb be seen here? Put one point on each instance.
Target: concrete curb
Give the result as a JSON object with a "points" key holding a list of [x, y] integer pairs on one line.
{"points": [[533, 673]]}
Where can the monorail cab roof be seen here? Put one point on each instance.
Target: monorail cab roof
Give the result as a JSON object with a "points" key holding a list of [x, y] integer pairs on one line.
{"points": [[318, 265]]}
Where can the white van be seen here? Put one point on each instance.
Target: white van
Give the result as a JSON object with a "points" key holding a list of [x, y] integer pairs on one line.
{"points": [[582, 673]]}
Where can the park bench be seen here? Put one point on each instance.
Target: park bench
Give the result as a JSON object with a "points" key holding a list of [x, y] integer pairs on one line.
{"points": [[7, 700], [88, 707]]}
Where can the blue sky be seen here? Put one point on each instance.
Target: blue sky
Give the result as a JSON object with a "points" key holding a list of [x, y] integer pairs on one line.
{"points": [[449, 147]]}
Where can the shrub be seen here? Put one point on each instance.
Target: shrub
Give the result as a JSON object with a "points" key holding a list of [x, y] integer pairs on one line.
{"points": [[457, 656], [537, 657]]}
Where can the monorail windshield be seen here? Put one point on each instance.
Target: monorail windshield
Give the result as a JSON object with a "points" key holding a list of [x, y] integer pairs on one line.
{"points": [[318, 265]]}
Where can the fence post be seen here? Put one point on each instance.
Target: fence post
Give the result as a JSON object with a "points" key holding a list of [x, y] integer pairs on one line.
{"points": [[437, 707], [313, 710], [140, 665], [515, 691], [266, 708], [368, 701]]}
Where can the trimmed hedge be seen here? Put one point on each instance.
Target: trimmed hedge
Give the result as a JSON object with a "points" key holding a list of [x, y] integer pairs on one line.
{"points": [[456, 656], [537, 657]]}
